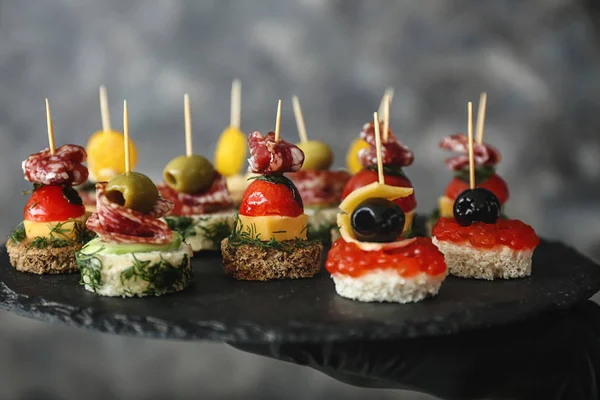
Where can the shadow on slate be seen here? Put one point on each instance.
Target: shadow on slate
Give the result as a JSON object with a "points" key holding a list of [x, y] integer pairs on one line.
{"points": [[216, 307], [554, 356]]}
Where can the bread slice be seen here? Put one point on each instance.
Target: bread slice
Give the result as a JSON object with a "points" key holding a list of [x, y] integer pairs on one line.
{"points": [[465, 261], [386, 285], [151, 273], [58, 260], [253, 262]]}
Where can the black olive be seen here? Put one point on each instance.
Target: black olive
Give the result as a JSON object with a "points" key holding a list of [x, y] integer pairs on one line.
{"points": [[71, 195], [378, 220], [476, 205]]}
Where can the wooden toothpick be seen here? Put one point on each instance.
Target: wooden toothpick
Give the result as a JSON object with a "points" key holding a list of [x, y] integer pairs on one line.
{"points": [[299, 120], [50, 129], [378, 144], [481, 116], [188, 125], [104, 111], [471, 155], [386, 117], [236, 104], [388, 92], [126, 137], [278, 121]]}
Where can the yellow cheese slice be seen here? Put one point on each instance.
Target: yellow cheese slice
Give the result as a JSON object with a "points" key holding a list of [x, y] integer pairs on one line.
{"points": [[66, 230], [446, 207], [370, 191], [275, 226]]}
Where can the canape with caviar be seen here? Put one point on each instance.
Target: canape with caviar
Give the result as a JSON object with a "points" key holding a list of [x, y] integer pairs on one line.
{"points": [[105, 156], [203, 211], [476, 242], [269, 239], [54, 217], [319, 186], [372, 261], [135, 253], [486, 159], [395, 156]]}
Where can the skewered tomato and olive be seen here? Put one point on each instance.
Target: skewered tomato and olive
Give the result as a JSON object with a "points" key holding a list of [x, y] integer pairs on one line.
{"points": [[189, 174], [378, 220], [133, 190]]}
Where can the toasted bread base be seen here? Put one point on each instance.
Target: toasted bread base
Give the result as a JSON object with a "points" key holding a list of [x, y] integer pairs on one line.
{"points": [[465, 261], [255, 263], [42, 261], [386, 285]]}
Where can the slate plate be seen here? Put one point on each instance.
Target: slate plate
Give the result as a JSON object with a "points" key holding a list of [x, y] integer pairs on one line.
{"points": [[308, 310]]}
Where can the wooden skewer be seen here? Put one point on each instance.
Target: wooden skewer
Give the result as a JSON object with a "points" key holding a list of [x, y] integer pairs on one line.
{"points": [[481, 117], [188, 125], [388, 92], [236, 104], [471, 155], [50, 129], [126, 137], [299, 119], [278, 121], [378, 144], [104, 111], [386, 118]]}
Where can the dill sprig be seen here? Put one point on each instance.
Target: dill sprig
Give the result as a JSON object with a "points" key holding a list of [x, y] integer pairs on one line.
{"points": [[183, 225], [161, 277], [241, 235], [90, 267], [216, 231], [58, 237]]}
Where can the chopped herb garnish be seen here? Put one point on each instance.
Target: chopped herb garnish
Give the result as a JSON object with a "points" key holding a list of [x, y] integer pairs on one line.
{"points": [[241, 235], [481, 174], [18, 234], [90, 266], [58, 237], [183, 225], [161, 276]]}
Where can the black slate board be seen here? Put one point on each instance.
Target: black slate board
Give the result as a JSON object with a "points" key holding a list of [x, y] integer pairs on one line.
{"points": [[218, 308]]}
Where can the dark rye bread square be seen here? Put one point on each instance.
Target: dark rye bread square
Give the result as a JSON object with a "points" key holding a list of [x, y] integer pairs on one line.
{"points": [[252, 262], [59, 260]]}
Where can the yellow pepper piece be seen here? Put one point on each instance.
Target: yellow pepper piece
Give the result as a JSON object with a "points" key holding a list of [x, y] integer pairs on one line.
{"points": [[106, 155], [352, 158], [230, 155]]}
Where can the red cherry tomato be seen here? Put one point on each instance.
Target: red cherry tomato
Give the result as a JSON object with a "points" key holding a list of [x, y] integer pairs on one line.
{"points": [[265, 198], [494, 184], [47, 204], [366, 176]]}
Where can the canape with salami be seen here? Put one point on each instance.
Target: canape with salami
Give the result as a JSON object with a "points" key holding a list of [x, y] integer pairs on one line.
{"points": [[203, 210], [135, 253], [372, 260], [269, 239], [54, 217], [320, 187], [476, 242]]}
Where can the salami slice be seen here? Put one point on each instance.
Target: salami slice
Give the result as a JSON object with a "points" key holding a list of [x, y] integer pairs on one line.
{"points": [[268, 156], [392, 151], [214, 199], [484, 154], [115, 223], [320, 188], [65, 167]]}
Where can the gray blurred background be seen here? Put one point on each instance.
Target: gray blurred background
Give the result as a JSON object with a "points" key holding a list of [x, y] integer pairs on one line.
{"points": [[538, 61]]}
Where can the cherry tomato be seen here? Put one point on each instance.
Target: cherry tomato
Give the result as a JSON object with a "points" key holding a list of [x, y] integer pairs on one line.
{"points": [[366, 176], [494, 184], [47, 204], [265, 198]]}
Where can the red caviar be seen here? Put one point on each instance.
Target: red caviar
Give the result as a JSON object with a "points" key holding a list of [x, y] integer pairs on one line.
{"points": [[508, 232], [419, 256]]}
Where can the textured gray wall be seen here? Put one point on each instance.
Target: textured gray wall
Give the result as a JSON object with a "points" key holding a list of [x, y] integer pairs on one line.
{"points": [[537, 60]]}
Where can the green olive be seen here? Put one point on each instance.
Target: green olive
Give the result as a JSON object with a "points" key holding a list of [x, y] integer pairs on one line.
{"points": [[317, 155], [189, 174], [133, 190]]}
